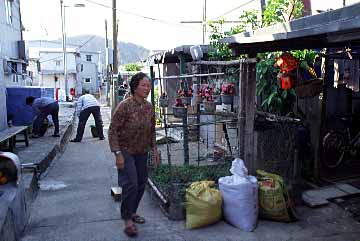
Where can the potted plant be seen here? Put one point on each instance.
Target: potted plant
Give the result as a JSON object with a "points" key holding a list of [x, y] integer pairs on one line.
{"points": [[207, 95], [185, 94], [179, 109], [163, 100], [227, 93]]}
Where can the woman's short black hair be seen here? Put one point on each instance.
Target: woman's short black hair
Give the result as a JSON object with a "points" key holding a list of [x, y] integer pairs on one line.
{"points": [[135, 80], [30, 100]]}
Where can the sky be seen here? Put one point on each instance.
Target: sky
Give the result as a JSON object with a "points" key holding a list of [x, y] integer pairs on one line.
{"points": [[42, 20]]}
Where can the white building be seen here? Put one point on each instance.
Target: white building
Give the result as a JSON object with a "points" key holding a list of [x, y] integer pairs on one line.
{"points": [[47, 66], [89, 71], [12, 52]]}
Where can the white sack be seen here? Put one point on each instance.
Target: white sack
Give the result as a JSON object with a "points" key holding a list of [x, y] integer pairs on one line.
{"points": [[240, 197]]}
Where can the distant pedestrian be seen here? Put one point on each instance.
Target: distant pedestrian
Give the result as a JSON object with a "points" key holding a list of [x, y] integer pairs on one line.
{"points": [[86, 105], [131, 138], [43, 107]]}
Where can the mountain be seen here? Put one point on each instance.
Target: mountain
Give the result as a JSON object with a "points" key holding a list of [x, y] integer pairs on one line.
{"points": [[129, 52]]}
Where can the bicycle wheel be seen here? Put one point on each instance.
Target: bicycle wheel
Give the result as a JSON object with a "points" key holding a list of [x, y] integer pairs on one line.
{"points": [[333, 149]]}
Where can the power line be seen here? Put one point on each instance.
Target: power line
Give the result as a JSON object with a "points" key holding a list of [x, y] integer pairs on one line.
{"points": [[87, 41], [232, 10], [142, 16]]}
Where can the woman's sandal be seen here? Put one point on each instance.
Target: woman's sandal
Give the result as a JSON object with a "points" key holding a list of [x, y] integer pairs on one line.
{"points": [[130, 231], [138, 219]]}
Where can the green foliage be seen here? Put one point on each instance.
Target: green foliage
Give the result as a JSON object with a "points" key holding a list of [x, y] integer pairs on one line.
{"points": [[247, 19], [162, 177], [133, 67], [218, 51], [279, 11], [305, 55]]}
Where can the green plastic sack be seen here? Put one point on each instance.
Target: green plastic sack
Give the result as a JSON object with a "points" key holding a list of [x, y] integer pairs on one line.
{"points": [[203, 204], [274, 200]]}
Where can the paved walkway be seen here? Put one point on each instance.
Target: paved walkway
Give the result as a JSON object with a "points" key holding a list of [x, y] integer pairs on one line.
{"points": [[74, 204]]}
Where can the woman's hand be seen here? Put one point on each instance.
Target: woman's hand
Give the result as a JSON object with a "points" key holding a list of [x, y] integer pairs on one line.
{"points": [[156, 157], [120, 162]]}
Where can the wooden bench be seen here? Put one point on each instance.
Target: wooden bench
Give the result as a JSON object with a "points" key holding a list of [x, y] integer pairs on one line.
{"points": [[10, 133]]}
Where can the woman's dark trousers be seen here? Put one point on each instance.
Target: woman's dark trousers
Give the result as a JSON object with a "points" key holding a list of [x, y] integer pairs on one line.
{"points": [[132, 179]]}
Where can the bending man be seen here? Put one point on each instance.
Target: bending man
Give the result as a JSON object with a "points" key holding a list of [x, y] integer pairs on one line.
{"points": [[87, 104]]}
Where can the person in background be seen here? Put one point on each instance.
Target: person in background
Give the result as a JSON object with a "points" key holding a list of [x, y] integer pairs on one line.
{"points": [[131, 137], [86, 105], [43, 107]]}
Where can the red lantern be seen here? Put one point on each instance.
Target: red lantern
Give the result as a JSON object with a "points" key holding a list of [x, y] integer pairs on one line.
{"points": [[286, 82]]}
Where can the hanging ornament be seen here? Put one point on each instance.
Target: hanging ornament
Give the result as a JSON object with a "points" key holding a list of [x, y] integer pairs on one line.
{"points": [[285, 82]]}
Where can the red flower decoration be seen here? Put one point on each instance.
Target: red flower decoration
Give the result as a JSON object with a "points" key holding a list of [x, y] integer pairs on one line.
{"points": [[287, 63]]}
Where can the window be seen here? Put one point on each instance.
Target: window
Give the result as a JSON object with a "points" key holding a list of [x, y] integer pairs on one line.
{"points": [[87, 80], [57, 62], [82, 68], [88, 58], [8, 11]]}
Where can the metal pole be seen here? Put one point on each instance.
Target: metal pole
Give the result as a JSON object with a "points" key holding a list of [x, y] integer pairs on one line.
{"points": [[63, 41], [107, 65]]}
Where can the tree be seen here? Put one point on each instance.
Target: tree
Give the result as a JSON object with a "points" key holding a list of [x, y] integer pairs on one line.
{"points": [[134, 67]]}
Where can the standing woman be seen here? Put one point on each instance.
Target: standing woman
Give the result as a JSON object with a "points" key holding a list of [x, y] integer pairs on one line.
{"points": [[132, 137]]}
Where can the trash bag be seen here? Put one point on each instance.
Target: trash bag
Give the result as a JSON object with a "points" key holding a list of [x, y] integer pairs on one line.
{"points": [[240, 196], [274, 201], [203, 204]]}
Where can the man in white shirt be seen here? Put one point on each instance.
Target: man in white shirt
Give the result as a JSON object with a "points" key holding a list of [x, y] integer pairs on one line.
{"points": [[43, 107], [87, 104]]}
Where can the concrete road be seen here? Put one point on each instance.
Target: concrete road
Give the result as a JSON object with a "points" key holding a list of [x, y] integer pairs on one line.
{"points": [[74, 204]]}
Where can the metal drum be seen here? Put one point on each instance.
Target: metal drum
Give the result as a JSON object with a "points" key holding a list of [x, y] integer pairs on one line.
{"points": [[10, 168]]}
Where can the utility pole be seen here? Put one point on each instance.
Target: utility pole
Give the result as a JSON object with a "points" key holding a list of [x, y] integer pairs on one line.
{"points": [[107, 64], [204, 21], [64, 47], [115, 62], [115, 68], [263, 5]]}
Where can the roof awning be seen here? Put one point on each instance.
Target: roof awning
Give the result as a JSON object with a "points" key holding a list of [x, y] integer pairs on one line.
{"points": [[172, 55], [329, 29]]}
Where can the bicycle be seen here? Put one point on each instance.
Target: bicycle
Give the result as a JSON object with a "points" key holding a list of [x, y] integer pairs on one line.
{"points": [[340, 145]]}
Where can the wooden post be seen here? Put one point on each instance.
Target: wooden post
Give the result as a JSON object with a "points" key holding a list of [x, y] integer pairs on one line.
{"points": [[241, 112], [328, 81], [246, 114]]}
